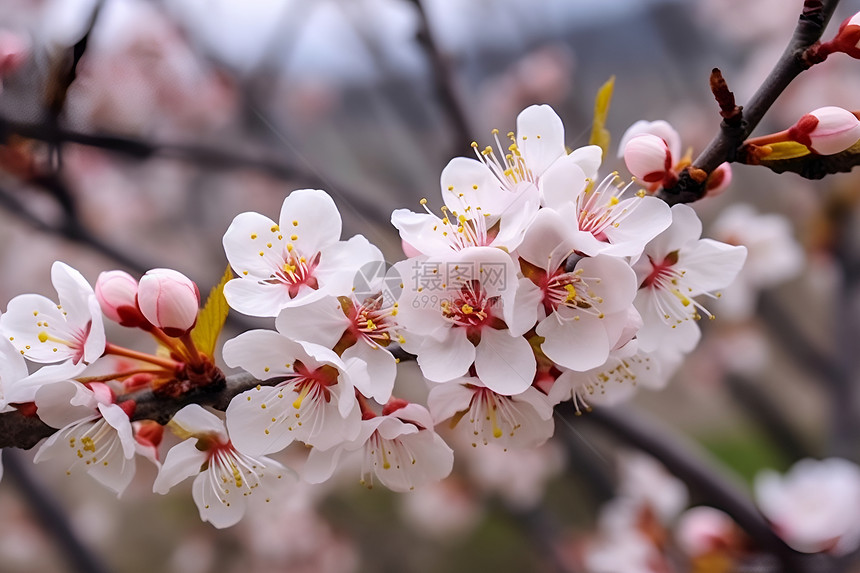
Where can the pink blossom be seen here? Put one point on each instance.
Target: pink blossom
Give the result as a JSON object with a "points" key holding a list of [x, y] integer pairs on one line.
{"points": [[169, 300]]}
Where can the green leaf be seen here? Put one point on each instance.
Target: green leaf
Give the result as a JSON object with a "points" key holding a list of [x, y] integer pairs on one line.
{"points": [[808, 165], [211, 319], [786, 150], [599, 134]]}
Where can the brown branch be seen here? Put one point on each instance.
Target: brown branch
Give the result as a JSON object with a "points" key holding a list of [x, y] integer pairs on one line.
{"points": [[729, 110], [724, 147], [810, 166], [203, 156], [449, 98], [20, 431], [705, 476]]}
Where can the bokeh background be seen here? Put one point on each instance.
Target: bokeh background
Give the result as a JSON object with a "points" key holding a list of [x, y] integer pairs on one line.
{"points": [[219, 107]]}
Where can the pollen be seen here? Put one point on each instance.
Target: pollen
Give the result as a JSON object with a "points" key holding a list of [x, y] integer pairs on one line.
{"points": [[294, 237], [43, 336], [295, 223], [275, 229], [253, 236]]}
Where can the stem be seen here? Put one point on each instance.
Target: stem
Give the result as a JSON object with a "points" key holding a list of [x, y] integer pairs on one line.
{"points": [[692, 466], [170, 343], [762, 411], [188, 343], [724, 147], [449, 99], [166, 363], [202, 156], [777, 137], [109, 377]]}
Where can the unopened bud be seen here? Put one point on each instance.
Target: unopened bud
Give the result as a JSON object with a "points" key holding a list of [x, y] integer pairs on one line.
{"points": [[648, 158], [847, 39], [702, 530], [148, 435], [719, 179], [116, 292], [14, 49], [827, 130], [169, 300]]}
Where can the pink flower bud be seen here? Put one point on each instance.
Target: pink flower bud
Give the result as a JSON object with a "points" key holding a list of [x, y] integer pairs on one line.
{"points": [[169, 300], [718, 180], [116, 292], [702, 530], [648, 157], [847, 39], [14, 49], [827, 130]]}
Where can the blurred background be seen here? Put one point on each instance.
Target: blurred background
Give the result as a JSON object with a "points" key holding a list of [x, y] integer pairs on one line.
{"points": [[132, 132]]}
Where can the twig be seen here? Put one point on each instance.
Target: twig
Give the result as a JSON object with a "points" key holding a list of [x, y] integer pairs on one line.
{"points": [[20, 431], [691, 185], [764, 413], [692, 466], [51, 516], [449, 99], [798, 347], [209, 157]]}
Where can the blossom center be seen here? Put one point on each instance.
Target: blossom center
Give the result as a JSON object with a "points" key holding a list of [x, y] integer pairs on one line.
{"points": [[470, 227], [509, 167], [571, 290], [491, 416], [601, 209], [371, 321], [296, 271], [471, 308]]}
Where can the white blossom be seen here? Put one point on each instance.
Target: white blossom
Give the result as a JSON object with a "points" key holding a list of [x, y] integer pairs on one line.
{"points": [[225, 477]]}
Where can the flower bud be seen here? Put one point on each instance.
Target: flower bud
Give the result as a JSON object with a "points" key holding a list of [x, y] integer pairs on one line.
{"points": [[14, 49], [169, 300], [827, 130], [718, 180], [847, 39], [702, 530], [116, 292], [648, 157]]}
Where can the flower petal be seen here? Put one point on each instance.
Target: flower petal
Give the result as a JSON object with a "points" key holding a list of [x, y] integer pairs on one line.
{"points": [[182, 461], [504, 363]]}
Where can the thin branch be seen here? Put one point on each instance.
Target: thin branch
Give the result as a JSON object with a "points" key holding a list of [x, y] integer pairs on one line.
{"points": [[203, 156], [764, 413], [71, 229], [692, 466], [724, 147], [51, 516], [20, 431], [797, 345], [443, 77]]}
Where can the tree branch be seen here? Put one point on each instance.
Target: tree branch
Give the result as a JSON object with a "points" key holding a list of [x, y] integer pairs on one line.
{"points": [[692, 466], [209, 157], [724, 147], [20, 431], [443, 77]]}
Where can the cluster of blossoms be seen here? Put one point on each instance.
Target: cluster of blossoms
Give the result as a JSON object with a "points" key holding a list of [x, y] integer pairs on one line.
{"points": [[535, 282]]}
